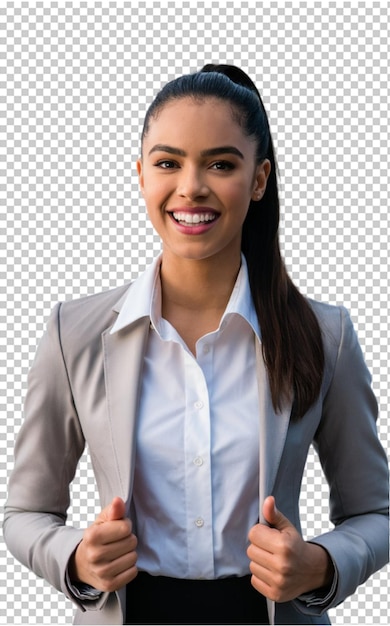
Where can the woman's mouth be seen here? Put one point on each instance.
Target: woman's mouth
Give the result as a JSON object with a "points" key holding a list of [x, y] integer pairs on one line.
{"points": [[189, 219], [195, 221]]}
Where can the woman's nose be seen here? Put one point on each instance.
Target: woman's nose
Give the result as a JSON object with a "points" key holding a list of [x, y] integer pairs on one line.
{"points": [[192, 184]]}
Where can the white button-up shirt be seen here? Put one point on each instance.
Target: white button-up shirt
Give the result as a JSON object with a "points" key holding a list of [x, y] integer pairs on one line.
{"points": [[196, 485]]}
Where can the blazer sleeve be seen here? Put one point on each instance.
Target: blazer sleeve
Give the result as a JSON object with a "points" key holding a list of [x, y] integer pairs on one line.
{"points": [[48, 448], [355, 466]]}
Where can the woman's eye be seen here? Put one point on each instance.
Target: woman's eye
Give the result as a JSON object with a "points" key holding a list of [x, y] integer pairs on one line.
{"points": [[223, 165], [166, 165]]}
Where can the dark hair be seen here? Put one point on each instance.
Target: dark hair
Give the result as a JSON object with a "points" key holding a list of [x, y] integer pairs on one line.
{"points": [[291, 337]]}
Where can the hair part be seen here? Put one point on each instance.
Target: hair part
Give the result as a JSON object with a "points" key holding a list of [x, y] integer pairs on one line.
{"points": [[292, 344]]}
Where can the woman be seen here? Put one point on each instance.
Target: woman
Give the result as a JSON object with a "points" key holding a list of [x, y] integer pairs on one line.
{"points": [[199, 389]]}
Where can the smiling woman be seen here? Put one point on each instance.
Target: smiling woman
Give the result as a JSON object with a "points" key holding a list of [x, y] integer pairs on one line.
{"points": [[199, 388]]}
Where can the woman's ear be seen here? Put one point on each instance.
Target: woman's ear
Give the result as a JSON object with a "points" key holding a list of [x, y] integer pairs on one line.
{"points": [[140, 174], [261, 177]]}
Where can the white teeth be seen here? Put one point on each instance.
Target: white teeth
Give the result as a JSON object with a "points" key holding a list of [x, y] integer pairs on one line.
{"points": [[194, 218]]}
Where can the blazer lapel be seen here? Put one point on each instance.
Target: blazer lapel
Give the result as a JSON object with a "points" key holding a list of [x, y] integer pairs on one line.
{"points": [[273, 432], [123, 357]]}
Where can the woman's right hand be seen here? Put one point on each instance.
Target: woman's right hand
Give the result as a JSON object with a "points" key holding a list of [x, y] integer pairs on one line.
{"points": [[106, 557]]}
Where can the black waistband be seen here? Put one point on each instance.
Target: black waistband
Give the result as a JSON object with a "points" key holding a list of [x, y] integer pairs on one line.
{"points": [[164, 600]]}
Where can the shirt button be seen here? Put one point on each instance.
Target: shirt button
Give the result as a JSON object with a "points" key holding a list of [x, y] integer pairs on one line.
{"points": [[198, 461], [198, 404], [206, 348], [199, 522]]}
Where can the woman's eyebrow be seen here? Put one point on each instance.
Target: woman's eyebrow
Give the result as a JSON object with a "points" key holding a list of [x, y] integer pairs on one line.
{"points": [[159, 147], [205, 153], [222, 150]]}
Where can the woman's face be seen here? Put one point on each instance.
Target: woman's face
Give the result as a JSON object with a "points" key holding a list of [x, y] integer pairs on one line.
{"points": [[198, 174]]}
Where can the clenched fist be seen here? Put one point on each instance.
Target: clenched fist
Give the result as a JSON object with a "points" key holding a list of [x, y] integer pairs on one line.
{"points": [[106, 557], [283, 565]]}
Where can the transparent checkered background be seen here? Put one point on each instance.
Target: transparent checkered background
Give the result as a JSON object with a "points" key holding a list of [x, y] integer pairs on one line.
{"points": [[76, 79]]}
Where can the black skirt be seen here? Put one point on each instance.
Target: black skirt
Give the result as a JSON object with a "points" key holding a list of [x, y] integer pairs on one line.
{"points": [[162, 600]]}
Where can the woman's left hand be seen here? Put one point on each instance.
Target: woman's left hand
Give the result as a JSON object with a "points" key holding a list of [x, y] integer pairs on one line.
{"points": [[283, 565]]}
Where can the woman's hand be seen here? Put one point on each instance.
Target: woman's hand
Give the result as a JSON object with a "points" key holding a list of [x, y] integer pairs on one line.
{"points": [[106, 557], [283, 565]]}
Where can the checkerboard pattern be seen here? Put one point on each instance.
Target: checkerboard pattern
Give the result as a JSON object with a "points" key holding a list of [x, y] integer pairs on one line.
{"points": [[76, 80]]}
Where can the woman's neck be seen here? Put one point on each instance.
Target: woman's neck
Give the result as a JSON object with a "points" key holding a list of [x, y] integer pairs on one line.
{"points": [[195, 295], [198, 285]]}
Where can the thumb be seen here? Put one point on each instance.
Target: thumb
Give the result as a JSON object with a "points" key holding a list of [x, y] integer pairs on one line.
{"points": [[114, 511], [273, 516]]}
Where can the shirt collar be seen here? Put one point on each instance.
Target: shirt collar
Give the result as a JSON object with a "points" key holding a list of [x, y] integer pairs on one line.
{"points": [[137, 303], [143, 299], [241, 302]]}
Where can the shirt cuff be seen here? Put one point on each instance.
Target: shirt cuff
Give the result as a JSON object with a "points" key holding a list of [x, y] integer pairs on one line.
{"points": [[321, 597], [82, 591]]}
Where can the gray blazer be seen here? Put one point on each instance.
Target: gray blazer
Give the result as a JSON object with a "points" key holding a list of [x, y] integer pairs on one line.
{"points": [[84, 386]]}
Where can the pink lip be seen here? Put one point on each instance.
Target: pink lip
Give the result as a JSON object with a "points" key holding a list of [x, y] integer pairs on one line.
{"points": [[196, 209]]}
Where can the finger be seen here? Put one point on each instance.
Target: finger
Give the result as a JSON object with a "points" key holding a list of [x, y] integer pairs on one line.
{"points": [[264, 537], [114, 511], [273, 516], [107, 553], [274, 587], [267, 576], [109, 532], [260, 556], [117, 582], [120, 565], [261, 586], [117, 510]]}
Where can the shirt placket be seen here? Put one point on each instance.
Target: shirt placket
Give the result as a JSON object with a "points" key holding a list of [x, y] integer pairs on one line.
{"points": [[198, 483]]}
